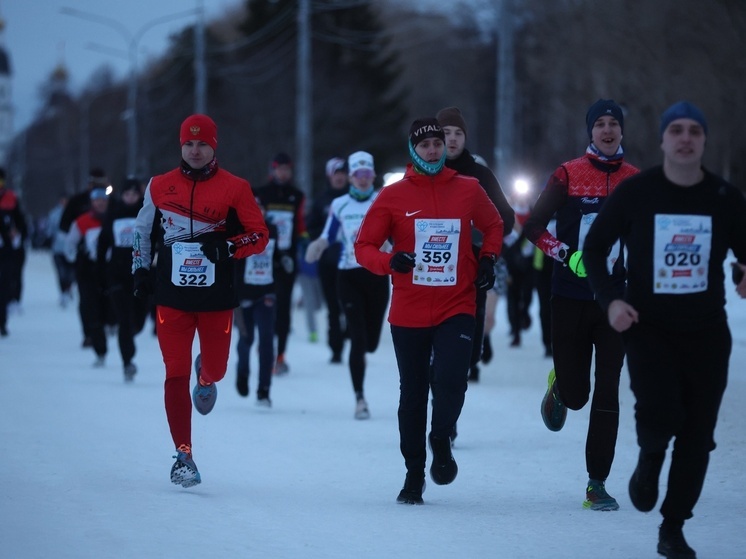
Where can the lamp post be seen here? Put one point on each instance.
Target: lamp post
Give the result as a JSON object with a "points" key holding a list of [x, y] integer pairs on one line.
{"points": [[303, 135], [505, 89], [132, 40]]}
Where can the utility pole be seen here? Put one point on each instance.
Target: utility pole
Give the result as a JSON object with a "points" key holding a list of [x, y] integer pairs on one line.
{"points": [[303, 136], [200, 68], [132, 41], [85, 141], [505, 89]]}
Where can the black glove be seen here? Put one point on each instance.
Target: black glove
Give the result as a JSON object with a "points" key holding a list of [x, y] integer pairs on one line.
{"points": [[402, 262], [143, 288], [736, 273], [217, 250], [485, 273]]}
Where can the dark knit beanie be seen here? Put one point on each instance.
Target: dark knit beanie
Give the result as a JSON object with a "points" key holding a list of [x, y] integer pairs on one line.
{"points": [[683, 109], [600, 108], [97, 176], [130, 183], [451, 116], [281, 159], [424, 128], [201, 128]]}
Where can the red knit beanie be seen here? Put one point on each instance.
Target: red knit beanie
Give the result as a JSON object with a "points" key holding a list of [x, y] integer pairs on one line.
{"points": [[201, 128]]}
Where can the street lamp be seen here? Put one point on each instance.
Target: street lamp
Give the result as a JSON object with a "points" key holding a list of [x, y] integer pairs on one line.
{"points": [[132, 41]]}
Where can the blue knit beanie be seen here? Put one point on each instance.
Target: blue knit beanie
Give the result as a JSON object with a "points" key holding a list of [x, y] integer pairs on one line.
{"points": [[601, 108], [683, 109]]}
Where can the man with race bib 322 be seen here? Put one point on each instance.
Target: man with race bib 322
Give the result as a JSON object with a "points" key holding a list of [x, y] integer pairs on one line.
{"points": [[200, 218]]}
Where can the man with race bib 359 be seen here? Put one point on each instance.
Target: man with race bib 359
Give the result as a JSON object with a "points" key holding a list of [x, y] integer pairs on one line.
{"points": [[428, 216]]}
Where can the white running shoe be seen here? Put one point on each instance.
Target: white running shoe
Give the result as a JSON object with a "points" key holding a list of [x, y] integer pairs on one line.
{"points": [[361, 409]]}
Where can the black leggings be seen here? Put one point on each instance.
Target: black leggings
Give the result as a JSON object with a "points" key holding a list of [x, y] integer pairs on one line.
{"points": [[94, 307], [364, 296], [284, 283], [130, 313], [328, 278], [449, 344], [578, 328], [678, 379]]}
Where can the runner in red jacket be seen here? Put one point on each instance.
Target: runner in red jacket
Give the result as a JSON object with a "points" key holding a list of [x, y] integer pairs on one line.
{"points": [[201, 218], [428, 217]]}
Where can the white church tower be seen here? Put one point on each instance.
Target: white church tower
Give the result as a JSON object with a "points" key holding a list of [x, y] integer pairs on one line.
{"points": [[6, 106]]}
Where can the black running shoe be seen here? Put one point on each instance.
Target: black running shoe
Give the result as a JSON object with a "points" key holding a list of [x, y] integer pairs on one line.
{"points": [[671, 542], [486, 350], [443, 470], [643, 485], [414, 487], [242, 384]]}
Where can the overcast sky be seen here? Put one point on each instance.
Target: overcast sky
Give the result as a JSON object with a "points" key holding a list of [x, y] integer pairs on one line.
{"points": [[38, 36]]}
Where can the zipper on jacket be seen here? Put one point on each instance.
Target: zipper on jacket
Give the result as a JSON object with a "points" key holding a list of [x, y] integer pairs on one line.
{"points": [[191, 211], [433, 292]]}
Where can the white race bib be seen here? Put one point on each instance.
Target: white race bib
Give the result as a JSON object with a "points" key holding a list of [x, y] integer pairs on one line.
{"points": [[681, 253], [124, 231], [436, 245], [189, 267], [283, 220], [258, 269], [91, 242]]}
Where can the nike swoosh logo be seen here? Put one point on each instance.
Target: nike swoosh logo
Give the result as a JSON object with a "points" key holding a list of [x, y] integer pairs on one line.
{"points": [[228, 328], [160, 318], [410, 214]]}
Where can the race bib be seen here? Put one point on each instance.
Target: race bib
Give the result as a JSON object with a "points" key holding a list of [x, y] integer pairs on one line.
{"points": [[283, 220], [258, 269], [91, 242], [436, 245], [189, 267], [681, 253], [124, 232]]}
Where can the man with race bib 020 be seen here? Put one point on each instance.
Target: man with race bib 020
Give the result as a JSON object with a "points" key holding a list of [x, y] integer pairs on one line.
{"points": [[678, 221], [200, 218], [427, 216]]}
